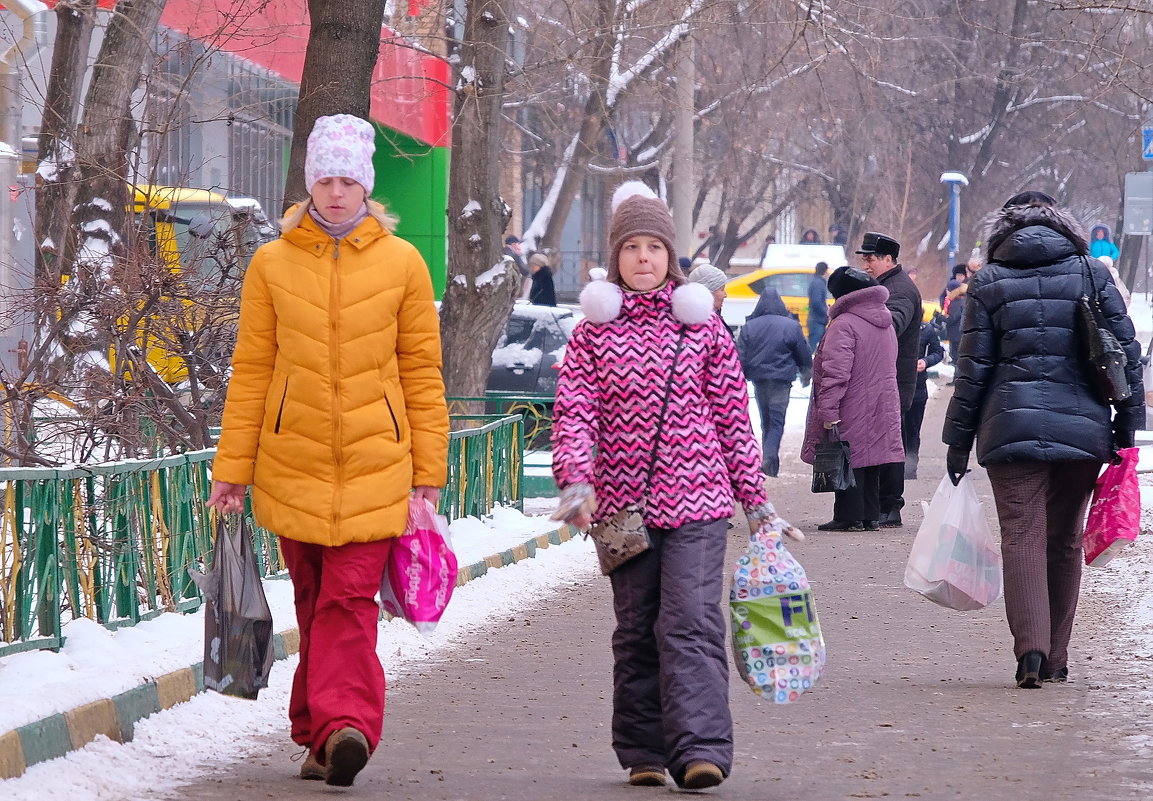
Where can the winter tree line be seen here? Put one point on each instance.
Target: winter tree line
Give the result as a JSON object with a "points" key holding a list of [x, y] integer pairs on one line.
{"points": [[837, 110]]}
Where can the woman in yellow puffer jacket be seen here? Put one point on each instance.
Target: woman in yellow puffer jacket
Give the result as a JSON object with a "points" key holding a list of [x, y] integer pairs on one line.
{"points": [[337, 419]]}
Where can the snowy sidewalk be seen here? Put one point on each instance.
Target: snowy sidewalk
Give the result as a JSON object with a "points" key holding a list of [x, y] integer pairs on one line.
{"points": [[103, 683]]}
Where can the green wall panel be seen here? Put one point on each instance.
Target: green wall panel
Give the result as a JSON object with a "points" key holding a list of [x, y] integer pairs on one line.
{"points": [[412, 180]]}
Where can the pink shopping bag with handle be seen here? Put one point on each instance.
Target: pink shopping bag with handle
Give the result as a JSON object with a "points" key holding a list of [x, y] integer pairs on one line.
{"points": [[1115, 510], [421, 572]]}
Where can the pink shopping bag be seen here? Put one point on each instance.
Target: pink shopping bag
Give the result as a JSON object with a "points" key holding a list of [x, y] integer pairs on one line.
{"points": [[421, 572], [1115, 511]]}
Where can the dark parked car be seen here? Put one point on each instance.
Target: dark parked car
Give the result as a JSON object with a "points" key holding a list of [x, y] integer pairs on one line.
{"points": [[526, 357], [524, 367]]}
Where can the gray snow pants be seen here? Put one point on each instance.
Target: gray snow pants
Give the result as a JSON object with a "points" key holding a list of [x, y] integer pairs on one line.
{"points": [[671, 671]]}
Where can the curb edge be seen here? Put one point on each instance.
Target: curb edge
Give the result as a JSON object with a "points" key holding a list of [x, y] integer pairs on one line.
{"points": [[59, 734]]}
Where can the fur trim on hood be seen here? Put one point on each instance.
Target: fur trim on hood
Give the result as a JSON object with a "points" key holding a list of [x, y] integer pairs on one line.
{"points": [[1001, 224], [601, 302]]}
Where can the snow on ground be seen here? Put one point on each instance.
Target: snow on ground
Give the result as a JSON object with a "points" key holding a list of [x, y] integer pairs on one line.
{"points": [[159, 759], [96, 663]]}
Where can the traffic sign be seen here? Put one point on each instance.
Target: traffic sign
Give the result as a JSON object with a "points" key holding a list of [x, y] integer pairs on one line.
{"points": [[1147, 143], [1138, 207]]}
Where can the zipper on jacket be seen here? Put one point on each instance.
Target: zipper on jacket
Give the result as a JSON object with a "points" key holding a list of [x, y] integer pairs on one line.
{"points": [[392, 414], [280, 411], [334, 370]]}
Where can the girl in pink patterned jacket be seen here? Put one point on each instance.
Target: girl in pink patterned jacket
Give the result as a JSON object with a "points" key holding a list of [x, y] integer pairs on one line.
{"points": [[648, 335]]}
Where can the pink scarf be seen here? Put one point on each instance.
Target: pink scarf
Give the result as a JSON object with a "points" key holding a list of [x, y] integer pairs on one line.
{"points": [[338, 230]]}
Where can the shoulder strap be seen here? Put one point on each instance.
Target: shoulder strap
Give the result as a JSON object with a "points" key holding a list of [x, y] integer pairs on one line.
{"points": [[664, 408], [1087, 276]]}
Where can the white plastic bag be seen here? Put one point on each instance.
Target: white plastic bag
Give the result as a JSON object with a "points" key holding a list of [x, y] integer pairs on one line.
{"points": [[955, 560]]}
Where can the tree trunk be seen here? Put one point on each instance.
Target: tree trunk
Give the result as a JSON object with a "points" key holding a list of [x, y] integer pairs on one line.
{"points": [[343, 47], [55, 190], [103, 275], [591, 128], [596, 115], [473, 312], [107, 133]]}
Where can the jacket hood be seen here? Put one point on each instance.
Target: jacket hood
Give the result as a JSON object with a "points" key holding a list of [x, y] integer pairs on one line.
{"points": [[770, 303], [1100, 227], [1007, 243], [867, 303]]}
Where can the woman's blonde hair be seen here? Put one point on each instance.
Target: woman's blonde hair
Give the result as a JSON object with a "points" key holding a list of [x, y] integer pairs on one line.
{"points": [[377, 211]]}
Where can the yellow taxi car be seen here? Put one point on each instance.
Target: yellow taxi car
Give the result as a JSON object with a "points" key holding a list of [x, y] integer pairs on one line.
{"points": [[791, 282]]}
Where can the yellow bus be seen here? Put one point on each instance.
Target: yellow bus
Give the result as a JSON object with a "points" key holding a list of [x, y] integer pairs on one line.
{"points": [[206, 240]]}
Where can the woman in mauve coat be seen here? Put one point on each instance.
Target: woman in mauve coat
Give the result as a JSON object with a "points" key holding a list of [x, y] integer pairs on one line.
{"points": [[855, 388]]}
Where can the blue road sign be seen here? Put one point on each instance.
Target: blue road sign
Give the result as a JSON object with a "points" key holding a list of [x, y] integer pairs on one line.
{"points": [[1147, 144]]}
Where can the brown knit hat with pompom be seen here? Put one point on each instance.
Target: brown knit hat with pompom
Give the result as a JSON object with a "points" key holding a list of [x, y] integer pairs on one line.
{"points": [[637, 211]]}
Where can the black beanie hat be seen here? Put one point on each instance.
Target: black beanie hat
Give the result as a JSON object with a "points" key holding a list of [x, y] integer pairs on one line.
{"points": [[849, 279]]}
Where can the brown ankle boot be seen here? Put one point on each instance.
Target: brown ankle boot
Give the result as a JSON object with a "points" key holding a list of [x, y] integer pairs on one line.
{"points": [[346, 753]]}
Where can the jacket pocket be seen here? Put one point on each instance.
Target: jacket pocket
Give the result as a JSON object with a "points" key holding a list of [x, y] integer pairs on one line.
{"points": [[280, 411], [392, 414]]}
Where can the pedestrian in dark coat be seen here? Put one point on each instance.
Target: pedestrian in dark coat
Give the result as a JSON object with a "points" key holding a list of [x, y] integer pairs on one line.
{"points": [[929, 355], [855, 388], [818, 305], [953, 304], [542, 292], [1041, 429], [879, 255], [773, 351]]}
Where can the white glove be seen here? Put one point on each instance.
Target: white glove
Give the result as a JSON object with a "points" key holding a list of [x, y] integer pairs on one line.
{"points": [[763, 521], [578, 502]]}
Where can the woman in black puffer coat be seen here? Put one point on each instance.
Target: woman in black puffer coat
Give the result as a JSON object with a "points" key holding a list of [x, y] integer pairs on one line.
{"points": [[1042, 432]]}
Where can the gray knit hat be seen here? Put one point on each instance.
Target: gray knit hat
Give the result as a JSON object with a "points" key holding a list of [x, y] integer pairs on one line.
{"points": [[711, 277], [637, 211]]}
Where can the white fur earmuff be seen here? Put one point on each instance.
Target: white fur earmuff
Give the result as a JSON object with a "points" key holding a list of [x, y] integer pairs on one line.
{"points": [[630, 189], [601, 301], [692, 303]]}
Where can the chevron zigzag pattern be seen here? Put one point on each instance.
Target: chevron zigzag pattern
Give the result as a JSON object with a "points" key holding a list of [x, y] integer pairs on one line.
{"points": [[611, 386]]}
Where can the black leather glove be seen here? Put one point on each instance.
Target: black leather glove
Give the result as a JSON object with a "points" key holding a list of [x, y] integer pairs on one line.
{"points": [[1123, 439], [956, 464]]}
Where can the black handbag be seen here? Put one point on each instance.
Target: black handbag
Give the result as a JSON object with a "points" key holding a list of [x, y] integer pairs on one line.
{"points": [[832, 470], [1104, 357], [623, 535]]}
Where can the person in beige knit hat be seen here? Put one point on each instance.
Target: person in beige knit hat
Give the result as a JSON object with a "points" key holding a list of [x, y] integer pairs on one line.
{"points": [[714, 280]]}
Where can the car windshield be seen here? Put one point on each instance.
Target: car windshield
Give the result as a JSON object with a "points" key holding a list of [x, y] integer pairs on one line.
{"points": [[217, 240], [786, 284]]}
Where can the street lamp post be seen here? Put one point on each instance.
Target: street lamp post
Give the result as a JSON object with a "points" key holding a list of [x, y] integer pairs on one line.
{"points": [[955, 180]]}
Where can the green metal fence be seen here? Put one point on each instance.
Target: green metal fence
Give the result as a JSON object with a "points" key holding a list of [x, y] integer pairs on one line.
{"points": [[535, 410], [114, 542]]}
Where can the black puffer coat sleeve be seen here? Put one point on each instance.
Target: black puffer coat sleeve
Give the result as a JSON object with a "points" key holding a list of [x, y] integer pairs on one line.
{"points": [[1129, 414]]}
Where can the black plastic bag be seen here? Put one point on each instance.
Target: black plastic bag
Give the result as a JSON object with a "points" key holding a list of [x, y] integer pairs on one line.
{"points": [[238, 650], [832, 470]]}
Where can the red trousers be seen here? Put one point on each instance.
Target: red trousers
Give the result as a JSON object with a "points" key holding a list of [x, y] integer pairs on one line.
{"points": [[339, 681]]}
